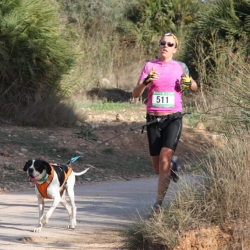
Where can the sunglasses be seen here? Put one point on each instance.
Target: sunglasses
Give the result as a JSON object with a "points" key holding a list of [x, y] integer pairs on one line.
{"points": [[163, 43]]}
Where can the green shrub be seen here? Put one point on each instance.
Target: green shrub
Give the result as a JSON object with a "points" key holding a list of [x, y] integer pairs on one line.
{"points": [[33, 52]]}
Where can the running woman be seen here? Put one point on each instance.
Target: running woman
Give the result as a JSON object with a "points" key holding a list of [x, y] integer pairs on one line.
{"points": [[165, 79]]}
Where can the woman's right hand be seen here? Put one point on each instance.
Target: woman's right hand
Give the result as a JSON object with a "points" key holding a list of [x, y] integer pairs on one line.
{"points": [[151, 76]]}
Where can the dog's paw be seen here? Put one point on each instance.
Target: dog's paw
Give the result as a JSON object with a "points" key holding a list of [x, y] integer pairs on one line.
{"points": [[71, 227], [72, 224], [37, 229]]}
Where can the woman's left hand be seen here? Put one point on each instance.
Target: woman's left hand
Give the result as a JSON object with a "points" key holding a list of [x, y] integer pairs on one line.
{"points": [[186, 81]]}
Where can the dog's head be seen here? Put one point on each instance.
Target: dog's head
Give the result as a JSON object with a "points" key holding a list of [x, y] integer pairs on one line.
{"points": [[36, 169]]}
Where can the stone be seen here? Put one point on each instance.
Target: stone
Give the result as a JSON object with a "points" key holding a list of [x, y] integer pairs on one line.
{"points": [[187, 167]]}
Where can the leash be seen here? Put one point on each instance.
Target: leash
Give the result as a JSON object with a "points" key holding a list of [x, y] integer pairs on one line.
{"points": [[157, 120]]}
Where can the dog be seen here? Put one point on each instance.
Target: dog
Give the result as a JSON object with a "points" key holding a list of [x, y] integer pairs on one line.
{"points": [[51, 182]]}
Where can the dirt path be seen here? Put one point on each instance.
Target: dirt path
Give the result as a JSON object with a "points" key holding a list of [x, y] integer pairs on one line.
{"points": [[104, 210]]}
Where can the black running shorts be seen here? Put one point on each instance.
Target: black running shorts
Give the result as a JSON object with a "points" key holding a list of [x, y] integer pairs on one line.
{"points": [[166, 136]]}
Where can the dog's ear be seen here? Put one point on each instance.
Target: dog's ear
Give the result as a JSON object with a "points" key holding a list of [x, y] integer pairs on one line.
{"points": [[27, 165], [47, 167]]}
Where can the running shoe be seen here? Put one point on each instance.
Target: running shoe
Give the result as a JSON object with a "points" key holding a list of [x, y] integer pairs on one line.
{"points": [[155, 210]]}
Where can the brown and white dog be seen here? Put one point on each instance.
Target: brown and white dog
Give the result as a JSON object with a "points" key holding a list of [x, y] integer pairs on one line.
{"points": [[51, 182]]}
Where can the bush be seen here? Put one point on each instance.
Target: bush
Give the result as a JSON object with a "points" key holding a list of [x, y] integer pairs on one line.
{"points": [[33, 52]]}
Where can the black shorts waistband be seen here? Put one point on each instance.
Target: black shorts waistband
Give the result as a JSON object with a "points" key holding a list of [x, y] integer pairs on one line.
{"points": [[165, 117]]}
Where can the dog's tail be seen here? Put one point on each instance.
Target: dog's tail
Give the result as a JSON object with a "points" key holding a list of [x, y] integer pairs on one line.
{"points": [[81, 173]]}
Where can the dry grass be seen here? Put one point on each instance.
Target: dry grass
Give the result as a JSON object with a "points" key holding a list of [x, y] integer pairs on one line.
{"points": [[220, 196], [227, 198]]}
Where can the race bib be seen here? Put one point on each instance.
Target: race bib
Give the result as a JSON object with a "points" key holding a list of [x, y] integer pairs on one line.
{"points": [[163, 99]]}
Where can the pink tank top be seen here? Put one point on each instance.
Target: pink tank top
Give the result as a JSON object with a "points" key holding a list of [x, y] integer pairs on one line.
{"points": [[164, 94]]}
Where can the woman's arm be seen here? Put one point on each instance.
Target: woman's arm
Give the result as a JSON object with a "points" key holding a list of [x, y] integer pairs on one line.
{"points": [[193, 86], [139, 89], [142, 84]]}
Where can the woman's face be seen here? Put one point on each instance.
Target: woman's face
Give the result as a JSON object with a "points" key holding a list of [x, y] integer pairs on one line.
{"points": [[167, 48]]}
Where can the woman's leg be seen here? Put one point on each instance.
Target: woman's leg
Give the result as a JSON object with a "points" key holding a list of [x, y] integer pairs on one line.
{"points": [[162, 166]]}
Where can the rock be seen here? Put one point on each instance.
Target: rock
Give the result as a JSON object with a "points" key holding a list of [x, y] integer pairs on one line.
{"points": [[187, 167], [6, 154], [107, 120], [200, 126], [119, 118], [95, 125], [79, 124]]}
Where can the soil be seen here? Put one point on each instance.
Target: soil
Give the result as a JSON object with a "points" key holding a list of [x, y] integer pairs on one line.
{"points": [[104, 141], [204, 238]]}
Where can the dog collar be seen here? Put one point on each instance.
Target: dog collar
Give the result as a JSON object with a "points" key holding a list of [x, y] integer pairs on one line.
{"points": [[45, 178]]}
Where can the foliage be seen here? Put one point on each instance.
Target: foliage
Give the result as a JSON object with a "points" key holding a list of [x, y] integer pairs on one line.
{"points": [[227, 103], [89, 13], [104, 58], [224, 79], [149, 19], [226, 22], [33, 52], [229, 19]]}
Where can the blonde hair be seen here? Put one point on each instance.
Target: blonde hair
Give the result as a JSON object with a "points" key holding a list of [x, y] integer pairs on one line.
{"points": [[175, 38]]}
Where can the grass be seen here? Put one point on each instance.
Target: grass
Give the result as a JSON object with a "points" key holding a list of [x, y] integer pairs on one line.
{"points": [[103, 105]]}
